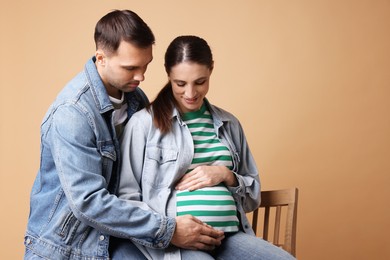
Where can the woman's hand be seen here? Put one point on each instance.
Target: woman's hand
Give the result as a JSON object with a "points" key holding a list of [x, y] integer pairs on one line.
{"points": [[206, 176]]}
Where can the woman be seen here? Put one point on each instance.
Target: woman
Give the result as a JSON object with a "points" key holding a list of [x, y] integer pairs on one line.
{"points": [[183, 155]]}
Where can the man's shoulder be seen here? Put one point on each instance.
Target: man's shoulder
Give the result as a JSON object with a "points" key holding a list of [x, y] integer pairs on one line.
{"points": [[74, 87]]}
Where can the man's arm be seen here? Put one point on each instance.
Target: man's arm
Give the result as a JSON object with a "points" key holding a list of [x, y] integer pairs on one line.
{"points": [[80, 162]]}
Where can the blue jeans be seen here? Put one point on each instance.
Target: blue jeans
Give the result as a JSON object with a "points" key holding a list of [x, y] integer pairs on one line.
{"points": [[243, 246], [120, 249], [240, 246]]}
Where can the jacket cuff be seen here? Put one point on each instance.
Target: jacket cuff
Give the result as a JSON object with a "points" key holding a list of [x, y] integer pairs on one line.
{"points": [[167, 229], [239, 190], [163, 237]]}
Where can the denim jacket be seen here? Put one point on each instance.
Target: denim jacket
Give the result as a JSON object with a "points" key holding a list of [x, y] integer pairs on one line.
{"points": [[73, 209], [153, 163]]}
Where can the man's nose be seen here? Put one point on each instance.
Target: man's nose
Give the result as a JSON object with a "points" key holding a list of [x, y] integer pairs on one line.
{"points": [[140, 76]]}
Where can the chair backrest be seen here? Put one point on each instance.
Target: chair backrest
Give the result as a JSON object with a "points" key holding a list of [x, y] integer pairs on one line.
{"points": [[273, 202]]}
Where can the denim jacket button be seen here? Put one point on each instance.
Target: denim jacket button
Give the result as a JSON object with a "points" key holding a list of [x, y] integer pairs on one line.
{"points": [[28, 241], [101, 238], [160, 244]]}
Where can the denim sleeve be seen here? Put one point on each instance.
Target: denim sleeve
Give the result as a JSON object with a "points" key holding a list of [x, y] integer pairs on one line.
{"points": [[80, 167], [248, 189]]}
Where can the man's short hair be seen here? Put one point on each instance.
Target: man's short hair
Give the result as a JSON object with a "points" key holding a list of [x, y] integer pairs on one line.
{"points": [[120, 25]]}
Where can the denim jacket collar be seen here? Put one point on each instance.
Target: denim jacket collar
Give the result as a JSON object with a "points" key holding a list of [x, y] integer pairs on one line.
{"points": [[98, 89]]}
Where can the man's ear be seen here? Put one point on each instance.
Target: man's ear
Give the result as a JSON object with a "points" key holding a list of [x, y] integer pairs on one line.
{"points": [[100, 57]]}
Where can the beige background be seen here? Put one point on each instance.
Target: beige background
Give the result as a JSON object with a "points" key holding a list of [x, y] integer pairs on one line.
{"points": [[308, 79]]}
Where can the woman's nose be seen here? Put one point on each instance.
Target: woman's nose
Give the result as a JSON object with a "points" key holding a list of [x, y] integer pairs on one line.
{"points": [[190, 92]]}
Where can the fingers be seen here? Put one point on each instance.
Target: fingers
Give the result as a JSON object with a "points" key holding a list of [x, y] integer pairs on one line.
{"points": [[189, 181], [210, 240], [210, 232], [205, 229], [194, 180], [187, 184], [203, 247], [194, 184], [196, 220], [191, 233]]}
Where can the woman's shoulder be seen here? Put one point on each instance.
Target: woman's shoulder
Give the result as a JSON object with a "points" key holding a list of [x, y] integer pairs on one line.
{"points": [[142, 115], [222, 113]]}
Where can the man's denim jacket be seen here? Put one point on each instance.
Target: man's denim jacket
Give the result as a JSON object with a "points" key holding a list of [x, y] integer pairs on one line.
{"points": [[153, 163], [73, 209]]}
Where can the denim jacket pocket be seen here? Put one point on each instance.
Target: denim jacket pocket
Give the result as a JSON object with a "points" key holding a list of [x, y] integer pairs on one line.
{"points": [[159, 166], [108, 156], [107, 150], [67, 227]]}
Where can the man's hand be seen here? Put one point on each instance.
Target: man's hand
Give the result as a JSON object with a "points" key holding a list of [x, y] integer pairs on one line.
{"points": [[191, 233]]}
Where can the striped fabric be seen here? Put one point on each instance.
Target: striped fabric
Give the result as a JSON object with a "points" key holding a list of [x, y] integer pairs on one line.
{"points": [[213, 205]]}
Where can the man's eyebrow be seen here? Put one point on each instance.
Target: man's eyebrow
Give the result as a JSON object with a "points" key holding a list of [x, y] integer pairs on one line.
{"points": [[134, 66]]}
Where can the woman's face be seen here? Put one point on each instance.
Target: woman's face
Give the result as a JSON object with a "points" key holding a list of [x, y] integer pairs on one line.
{"points": [[190, 84]]}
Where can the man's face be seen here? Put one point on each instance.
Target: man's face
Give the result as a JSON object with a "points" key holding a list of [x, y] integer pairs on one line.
{"points": [[123, 70]]}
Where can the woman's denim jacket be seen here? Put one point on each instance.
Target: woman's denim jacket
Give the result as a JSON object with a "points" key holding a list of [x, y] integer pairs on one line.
{"points": [[73, 211], [153, 163]]}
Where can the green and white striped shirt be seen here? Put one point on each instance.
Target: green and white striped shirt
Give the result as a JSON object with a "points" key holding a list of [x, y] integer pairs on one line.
{"points": [[213, 205]]}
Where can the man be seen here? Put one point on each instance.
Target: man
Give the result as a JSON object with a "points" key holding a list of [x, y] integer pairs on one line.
{"points": [[74, 213]]}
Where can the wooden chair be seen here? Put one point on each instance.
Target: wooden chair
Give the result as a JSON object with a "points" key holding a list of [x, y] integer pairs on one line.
{"points": [[272, 204]]}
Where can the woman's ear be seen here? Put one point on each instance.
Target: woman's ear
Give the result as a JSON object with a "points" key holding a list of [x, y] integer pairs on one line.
{"points": [[212, 67]]}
